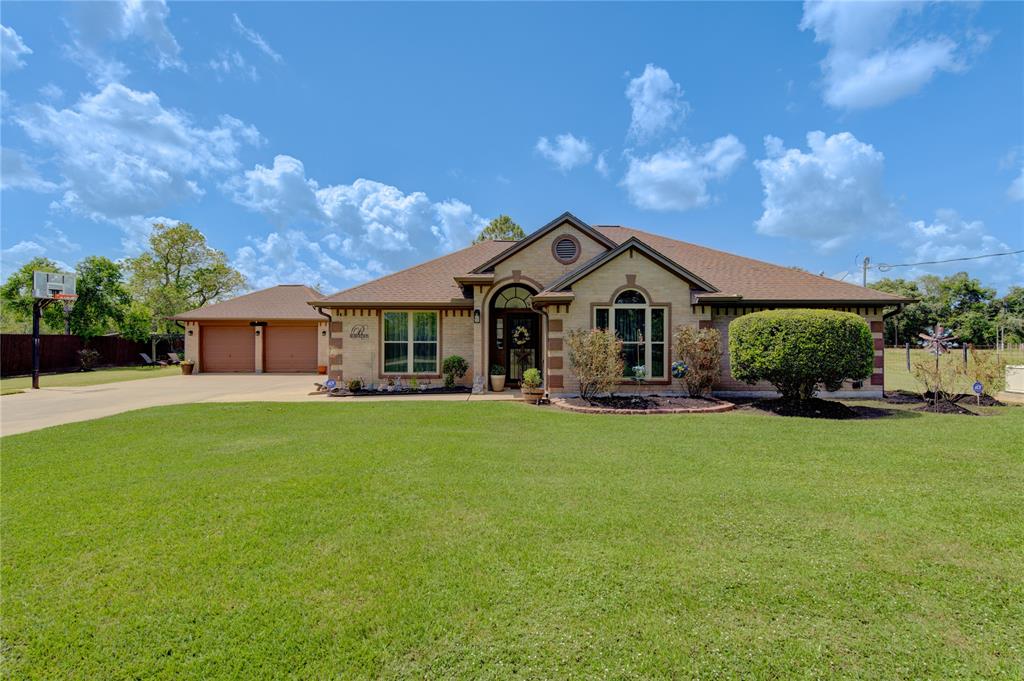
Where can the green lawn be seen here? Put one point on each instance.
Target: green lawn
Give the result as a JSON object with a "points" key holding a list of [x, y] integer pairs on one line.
{"points": [[81, 378], [898, 378], [492, 540]]}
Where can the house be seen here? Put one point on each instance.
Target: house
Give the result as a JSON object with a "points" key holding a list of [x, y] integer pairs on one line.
{"points": [[272, 330], [510, 304]]}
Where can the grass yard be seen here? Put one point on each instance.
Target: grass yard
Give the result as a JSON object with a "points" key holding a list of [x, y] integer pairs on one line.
{"points": [[898, 378], [491, 540], [83, 378]]}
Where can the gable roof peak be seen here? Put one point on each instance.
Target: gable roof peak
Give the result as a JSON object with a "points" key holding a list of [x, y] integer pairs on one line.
{"points": [[565, 217]]}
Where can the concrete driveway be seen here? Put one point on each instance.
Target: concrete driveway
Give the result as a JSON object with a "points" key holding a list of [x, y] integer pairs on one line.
{"points": [[36, 409]]}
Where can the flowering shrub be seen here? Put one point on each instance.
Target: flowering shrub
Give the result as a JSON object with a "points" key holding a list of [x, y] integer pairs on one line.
{"points": [[700, 354], [596, 358]]}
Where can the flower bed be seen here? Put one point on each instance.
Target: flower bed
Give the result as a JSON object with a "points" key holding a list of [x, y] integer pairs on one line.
{"points": [[643, 404]]}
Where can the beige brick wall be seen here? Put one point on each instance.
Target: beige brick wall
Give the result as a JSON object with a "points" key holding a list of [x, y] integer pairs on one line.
{"points": [[192, 344], [354, 356], [631, 269], [537, 262]]}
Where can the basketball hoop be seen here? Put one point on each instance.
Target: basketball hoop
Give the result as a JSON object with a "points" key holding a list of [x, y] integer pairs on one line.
{"points": [[67, 301]]}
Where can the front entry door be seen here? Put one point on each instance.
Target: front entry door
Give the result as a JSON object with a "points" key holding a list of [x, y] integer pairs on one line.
{"points": [[522, 344]]}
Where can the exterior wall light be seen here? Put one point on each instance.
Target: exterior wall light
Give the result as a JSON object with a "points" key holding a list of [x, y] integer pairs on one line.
{"points": [[324, 332], [190, 332], [476, 316], [257, 331]]}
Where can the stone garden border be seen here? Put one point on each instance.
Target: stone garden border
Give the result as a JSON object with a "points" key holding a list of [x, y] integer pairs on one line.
{"points": [[722, 406]]}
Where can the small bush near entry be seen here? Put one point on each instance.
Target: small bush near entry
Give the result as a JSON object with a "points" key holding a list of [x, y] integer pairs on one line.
{"points": [[701, 351], [453, 368], [532, 378], [87, 359], [797, 350], [596, 358]]}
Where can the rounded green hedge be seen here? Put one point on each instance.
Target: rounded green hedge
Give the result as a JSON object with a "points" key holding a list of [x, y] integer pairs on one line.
{"points": [[798, 350]]}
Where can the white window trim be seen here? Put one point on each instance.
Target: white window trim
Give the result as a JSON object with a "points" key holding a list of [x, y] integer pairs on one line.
{"points": [[409, 343], [647, 342]]}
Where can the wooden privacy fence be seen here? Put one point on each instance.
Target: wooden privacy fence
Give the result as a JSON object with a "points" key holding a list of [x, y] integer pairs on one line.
{"points": [[60, 353]]}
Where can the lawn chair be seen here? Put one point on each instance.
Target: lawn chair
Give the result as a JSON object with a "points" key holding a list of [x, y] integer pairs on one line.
{"points": [[150, 363], [173, 358]]}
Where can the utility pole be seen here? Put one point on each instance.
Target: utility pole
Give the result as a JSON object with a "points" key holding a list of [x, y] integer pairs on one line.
{"points": [[867, 261]]}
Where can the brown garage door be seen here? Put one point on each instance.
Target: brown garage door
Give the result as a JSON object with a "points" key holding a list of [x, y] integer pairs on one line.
{"points": [[289, 349], [228, 349]]}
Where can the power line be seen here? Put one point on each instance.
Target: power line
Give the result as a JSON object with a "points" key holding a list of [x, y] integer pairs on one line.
{"points": [[883, 267]]}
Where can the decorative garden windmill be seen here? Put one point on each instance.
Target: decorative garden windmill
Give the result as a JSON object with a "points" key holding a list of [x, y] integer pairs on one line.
{"points": [[937, 342]]}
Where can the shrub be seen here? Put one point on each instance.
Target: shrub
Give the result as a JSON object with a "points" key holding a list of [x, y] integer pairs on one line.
{"points": [[453, 368], [596, 358], [87, 359], [797, 350], [700, 351], [987, 369], [497, 370], [355, 385], [531, 378], [938, 376]]}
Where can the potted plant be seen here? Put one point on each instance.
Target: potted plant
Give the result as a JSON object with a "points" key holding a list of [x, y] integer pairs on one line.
{"points": [[355, 385], [186, 367], [321, 369], [497, 378], [532, 392]]}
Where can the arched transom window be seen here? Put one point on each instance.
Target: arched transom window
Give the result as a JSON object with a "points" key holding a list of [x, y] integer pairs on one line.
{"points": [[513, 297], [641, 328]]}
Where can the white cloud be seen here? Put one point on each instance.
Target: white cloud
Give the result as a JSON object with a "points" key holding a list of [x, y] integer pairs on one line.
{"points": [[874, 59], [657, 103], [18, 171], [95, 24], [365, 228], [256, 39], [949, 236], [602, 165], [48, 242], [567, 152], [12, 48], [677, 178], [824, 195], [136, 229], [1016, 189], [51, 92], [122, 153], [292, 257], [226, 63]]}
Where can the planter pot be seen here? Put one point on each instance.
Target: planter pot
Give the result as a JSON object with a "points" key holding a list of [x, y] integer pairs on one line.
{"points": [[186, 369], [532, 395], [498, 383], [321, 369]]}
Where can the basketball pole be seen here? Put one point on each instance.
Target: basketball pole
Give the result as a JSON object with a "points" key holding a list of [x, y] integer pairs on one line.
{"points": [[37, 309]]}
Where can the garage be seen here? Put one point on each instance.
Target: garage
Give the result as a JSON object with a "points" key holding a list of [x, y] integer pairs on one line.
{"points": [[228, 349], [289, 349], [275, 329]]}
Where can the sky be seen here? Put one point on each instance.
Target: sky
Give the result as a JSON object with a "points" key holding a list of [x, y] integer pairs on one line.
{"points": [[331, 143]]}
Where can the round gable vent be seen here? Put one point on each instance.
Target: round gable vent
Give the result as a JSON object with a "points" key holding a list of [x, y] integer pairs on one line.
{"points": [[566, 250]]}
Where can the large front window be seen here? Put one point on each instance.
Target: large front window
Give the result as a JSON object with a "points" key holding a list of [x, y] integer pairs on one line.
{"points": [[410, 342], [640, 327]]}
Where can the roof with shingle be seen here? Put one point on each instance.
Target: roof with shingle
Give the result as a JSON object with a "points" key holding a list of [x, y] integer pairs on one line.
{"points": [[283, 302], [431, 282], [734, 276], [754, 280]]}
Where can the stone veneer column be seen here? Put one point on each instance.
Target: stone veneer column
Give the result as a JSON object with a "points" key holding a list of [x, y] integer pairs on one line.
{"points": [[555, 376], [334, 352], [878, 337]]}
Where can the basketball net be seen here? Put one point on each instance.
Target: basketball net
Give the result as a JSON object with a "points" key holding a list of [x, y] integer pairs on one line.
{"points": [[67, 301]]}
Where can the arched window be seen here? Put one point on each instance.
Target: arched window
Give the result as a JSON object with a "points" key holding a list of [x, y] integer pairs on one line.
{"points": [[641, 328], [513, 297]]}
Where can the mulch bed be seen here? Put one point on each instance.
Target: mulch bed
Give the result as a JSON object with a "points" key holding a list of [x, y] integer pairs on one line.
{"points": [[642, 404], [945, 407], [342, 392], [816, 408]]}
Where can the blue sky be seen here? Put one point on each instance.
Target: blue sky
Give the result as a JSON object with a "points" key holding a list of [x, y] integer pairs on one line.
{"points": [[331, 143]]}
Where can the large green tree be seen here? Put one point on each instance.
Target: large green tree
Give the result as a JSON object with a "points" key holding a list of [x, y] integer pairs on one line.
{"points": [[103, 298], [180, 272], [501, 228], [913, 319], [16, 299]]}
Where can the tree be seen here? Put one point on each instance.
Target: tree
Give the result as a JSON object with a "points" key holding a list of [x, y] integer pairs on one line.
{"points": [[798, 350], [180, 272], [913, 319], [501, 228], [103, 298], [16, 294]]}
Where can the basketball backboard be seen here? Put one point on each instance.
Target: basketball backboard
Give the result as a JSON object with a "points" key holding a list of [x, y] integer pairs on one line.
{"points": [[53, 285]]}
